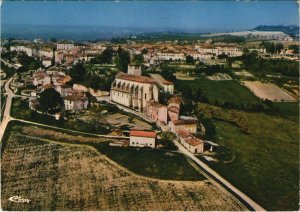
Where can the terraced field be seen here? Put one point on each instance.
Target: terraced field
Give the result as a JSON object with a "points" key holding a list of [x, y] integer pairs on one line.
{"points": [[66, 176]]}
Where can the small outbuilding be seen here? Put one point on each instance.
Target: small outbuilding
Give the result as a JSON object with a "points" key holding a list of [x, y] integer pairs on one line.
{"points": [[142, 138]]}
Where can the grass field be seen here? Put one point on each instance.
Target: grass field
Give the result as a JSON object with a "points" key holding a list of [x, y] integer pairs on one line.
{"points": [[59, 176], [265, 161], [220, 91], [289, 109]]}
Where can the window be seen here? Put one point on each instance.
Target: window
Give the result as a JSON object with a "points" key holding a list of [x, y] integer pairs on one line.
{"points": [[145, 96]]}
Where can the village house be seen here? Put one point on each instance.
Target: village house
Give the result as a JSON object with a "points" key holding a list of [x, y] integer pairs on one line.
{"points": [[142, 139], [41, 78], [45, 52], [165, 85], [157, 112], [229, 50], [65, 45], [190, 142], [75, 102], [174, 108], [170, 56], [183, 124], [47, 62]]}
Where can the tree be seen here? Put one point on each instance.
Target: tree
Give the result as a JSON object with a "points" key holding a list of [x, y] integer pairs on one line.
{"points": [[123, 59], [50, 99], [166, 140], [144, 51], [22, 69], [78, 73], [138, 58], [189, 59]]}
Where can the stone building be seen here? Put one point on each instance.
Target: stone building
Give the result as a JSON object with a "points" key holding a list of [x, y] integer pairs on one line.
{"points": [[133, 91]]}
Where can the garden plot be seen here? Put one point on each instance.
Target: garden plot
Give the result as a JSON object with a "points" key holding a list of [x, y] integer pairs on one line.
{"points": [[68, 177], [268, 91], [119, 120], [219, 76]]}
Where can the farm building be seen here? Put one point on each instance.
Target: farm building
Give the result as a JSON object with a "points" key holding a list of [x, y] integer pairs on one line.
{"points": [[193, 144], [142, 139]]}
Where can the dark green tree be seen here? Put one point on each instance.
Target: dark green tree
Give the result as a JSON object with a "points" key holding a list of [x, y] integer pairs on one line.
{"points": [[78, 73], [122, 60], [138, 59], [189, 59], [50, 99]]}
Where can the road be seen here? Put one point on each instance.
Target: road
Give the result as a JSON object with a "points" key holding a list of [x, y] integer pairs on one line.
{"points": [[9, 64], [6, 115], [224, 182]]}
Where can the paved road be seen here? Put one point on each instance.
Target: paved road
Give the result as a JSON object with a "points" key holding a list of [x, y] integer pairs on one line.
{"points": [[6, 115], [9, 64], [73, 131], [228, 185]]}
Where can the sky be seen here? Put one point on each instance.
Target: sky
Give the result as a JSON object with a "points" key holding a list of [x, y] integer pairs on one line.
{"points": [[227, 15]]}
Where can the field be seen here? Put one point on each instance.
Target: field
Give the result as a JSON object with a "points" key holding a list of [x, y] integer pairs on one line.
{"points": [[220, 91], [66, 176], [268, 91], [264, 161]]}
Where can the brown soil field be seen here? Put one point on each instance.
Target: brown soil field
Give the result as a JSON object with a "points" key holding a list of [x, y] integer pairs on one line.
{"points": [[56, 176]]}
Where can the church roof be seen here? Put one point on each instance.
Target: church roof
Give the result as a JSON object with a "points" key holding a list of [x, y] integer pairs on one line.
{"points": [[141, 79]]}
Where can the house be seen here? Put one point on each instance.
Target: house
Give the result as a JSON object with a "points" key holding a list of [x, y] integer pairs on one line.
{"points": [[33, 103], [133, 91], [157, 112], [142, 139], [174, 108], [65, 45], [165, 85], [47, 62], [170, 55], [75, 102], [182, 124], [193, 144], [41, 78]]}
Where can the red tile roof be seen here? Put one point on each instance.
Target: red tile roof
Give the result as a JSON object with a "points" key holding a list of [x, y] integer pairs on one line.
{"points": [[193, 141], [137, 133], [141, 79], [184, 133]]}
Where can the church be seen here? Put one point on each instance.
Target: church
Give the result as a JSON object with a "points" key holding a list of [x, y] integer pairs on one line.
{"points": [[133, 90]]}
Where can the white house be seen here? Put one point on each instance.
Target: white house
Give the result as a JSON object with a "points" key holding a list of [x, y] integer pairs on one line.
{"points": [[142, 139], [65, 45], [182, 124], [41, 78], [47, 62], [75, 102], [170, 56], [165, 85]]}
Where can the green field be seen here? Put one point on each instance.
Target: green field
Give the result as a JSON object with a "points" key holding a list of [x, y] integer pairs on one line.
{"points": [[264, 162], [219, 91], [152, 162], [289, 109]]}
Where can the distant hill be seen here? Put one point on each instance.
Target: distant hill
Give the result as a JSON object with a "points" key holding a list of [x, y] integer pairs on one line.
{"points": [[292, 30]]}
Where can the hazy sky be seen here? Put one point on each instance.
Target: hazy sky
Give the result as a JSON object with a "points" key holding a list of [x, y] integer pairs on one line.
{"points": [[179, 14]]}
